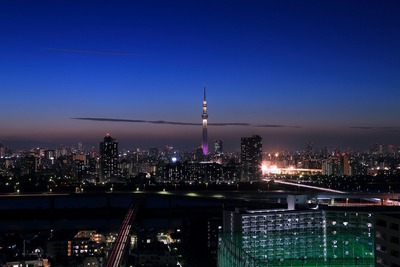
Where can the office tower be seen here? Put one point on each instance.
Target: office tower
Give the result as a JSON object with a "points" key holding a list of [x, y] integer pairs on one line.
{"points": [[218, 146], [309, 150], [80, 148], [30, 165], [204, 116], [49, 154], [251, 158], [108, 158], [344, 162]]}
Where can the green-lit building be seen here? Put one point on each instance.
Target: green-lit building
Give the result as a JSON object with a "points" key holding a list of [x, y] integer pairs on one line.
{"points": [[296, 238]]}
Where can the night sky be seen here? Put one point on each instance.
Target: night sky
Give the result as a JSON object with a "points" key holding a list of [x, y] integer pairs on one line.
{"points": [[332, 68]]}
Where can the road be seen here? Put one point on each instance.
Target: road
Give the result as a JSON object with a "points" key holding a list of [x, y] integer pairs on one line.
{"points": [[119, 247]]}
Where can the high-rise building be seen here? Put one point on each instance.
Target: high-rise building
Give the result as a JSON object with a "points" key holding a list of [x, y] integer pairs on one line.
{"points": [[218, 146], [309, 150], [204, 116], [344, 162], [281, 237], [108, 158], [387, 245], [49, 154], [251, 158]]}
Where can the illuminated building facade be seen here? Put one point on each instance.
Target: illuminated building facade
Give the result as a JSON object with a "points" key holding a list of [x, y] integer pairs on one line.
{"points": [[191, 171], [85, 243], [108, 158], [337, 165], [28, 263], [251, 158], [204, 117], [296, 238]]}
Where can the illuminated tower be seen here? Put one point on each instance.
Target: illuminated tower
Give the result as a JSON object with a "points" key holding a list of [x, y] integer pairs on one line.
{"points": [[204, 116], [251, 158], [108, 158]]}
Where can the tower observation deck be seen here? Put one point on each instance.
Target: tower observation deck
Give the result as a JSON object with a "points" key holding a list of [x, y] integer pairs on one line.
{"points": [[204, 116]]}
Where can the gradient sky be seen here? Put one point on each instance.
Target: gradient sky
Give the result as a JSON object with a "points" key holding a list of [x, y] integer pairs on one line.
{"points": [[326, 66]]}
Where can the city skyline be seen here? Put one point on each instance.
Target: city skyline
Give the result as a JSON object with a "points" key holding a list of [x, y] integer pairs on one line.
{"points": [[330, 68]]}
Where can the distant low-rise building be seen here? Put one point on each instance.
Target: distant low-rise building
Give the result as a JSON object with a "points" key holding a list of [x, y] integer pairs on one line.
{"points": [[27, 263], [71, 248], [156, 254]]}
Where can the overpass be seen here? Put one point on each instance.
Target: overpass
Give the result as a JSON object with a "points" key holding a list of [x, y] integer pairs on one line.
{"points": [[382, 199]]}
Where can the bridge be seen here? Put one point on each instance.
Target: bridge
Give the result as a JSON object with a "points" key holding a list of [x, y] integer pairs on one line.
{"points": [[118, 250], [381, 199]]}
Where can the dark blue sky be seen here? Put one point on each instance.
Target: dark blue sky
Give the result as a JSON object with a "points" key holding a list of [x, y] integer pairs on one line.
{"points": [[326, 66]]}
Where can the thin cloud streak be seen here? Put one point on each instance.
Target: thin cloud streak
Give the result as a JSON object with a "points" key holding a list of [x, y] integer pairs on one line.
{"points": [[382, 128], [90, 51], [190, 123]]}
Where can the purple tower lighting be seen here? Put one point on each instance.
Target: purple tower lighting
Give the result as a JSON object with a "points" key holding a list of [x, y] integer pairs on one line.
{"points": [[204, 116]]}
